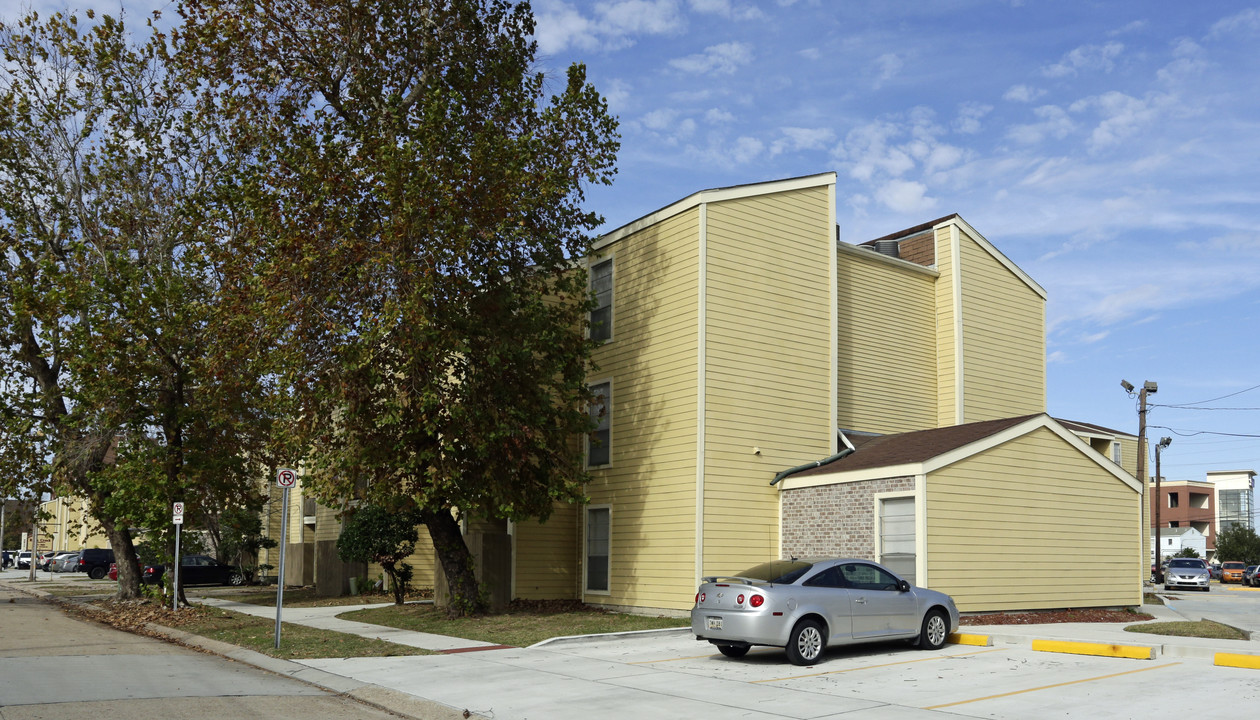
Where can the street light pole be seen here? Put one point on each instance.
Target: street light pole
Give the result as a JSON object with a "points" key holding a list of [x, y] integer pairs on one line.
{"points": [[1159, 503]]}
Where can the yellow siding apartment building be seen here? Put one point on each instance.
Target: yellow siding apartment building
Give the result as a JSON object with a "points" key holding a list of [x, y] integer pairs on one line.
{"points": [[743, 339]]}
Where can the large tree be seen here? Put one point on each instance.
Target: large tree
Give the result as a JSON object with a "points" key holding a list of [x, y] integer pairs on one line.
{"points": [[107, 288], [409, 216]]}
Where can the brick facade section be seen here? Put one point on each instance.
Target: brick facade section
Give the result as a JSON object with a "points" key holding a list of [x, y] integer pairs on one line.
{"points": [[834, 520]]}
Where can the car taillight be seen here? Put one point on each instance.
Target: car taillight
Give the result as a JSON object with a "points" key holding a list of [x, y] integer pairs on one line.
{"points": [[701, 596], [756, 601]]}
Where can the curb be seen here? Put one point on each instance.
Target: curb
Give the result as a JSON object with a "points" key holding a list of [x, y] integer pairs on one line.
{"points": [[971, 639], [1135, 652]]}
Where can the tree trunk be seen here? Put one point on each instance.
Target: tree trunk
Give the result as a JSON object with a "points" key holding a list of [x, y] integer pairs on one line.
{"points": [[124, 558], [457, 563]]}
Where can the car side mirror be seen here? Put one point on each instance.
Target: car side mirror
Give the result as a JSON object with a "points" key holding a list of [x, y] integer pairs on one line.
{"points": [[903, 586]]}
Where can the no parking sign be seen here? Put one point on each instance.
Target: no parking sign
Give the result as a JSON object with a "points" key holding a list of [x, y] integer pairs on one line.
{"points": [[286, 477]]}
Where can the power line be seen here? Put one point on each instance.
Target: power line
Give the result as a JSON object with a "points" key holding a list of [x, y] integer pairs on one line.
{"points": [[1204, 402], [1192, 433]]}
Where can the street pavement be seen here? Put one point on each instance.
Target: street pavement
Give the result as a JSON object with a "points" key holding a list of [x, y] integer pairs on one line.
{"points": [[57, 667], [669, 674]]}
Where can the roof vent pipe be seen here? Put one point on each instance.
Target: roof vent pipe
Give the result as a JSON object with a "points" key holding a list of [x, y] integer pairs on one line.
{"points": [[891, 248]]}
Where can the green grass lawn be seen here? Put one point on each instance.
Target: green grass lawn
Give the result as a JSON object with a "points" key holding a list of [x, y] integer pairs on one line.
{"points": [[1202, 628], [518, 628], [296, 641], [293, 597]]}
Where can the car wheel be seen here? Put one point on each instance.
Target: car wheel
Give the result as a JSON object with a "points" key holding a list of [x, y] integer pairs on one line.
{"points": [[236, 579], [96, 573], [733, 651], [935, 631], [806, 643]]}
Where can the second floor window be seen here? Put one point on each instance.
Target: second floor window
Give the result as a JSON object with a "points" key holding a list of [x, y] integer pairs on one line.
{"points": [[602, 288], [599, 442]]}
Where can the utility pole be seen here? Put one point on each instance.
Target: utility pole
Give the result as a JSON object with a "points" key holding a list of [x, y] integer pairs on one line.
{"points": [[1148, 388]]}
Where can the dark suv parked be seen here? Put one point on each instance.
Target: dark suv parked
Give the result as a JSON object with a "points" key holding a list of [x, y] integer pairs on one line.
{"points": [[95, 561]]}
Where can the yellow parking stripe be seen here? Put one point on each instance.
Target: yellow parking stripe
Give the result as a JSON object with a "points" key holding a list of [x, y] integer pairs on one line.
{"points": [[1050, 687], [872, 667]]}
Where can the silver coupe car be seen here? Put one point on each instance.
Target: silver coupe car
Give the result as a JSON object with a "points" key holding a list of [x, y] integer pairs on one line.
{"points": [[806, 606], [1187, 572]]}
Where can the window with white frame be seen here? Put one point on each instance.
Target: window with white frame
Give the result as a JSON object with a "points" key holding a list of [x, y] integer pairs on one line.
{"points": [[598, 527], [897, 536], [599, 441], [1115, 452], [602, 289]]}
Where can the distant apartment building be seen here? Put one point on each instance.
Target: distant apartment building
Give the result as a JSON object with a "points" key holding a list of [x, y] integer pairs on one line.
{"points": [[1234, 504], [1186, 504]]}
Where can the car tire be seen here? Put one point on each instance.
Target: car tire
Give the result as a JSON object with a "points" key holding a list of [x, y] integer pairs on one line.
{"points": [[806, 643], [236, 579], [733, 651], [97, 573], [935, 631]]}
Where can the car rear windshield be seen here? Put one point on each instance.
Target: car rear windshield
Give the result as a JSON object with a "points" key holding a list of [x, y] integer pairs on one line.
{"points": [[1186, 563], [1234, 565], [778, 571]]}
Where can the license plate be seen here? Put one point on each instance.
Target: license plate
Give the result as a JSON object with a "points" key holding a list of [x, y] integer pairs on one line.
{"points": [[715, 623]]}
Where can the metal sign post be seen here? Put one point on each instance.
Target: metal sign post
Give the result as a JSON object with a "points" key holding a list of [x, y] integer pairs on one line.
{"points": [[286, 478], [178, 519]]}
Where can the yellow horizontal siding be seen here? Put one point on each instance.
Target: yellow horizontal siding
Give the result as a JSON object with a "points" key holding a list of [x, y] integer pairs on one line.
{"points": [[946, 332], [1004, 352], [651, 363], [547, 556], [887, 354], [998, 522], [768, 365]]}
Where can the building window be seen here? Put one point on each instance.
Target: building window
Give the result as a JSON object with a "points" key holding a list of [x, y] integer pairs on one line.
{"points": [[1173, 500], [602, 289], [897, 536], [599, 441], [1115, 452], [597, 546]]}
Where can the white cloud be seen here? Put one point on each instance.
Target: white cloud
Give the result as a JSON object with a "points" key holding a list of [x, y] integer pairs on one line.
{"points": [[905, 197], [1132, 27], [1190, 62], [969, 116], [1023, 93], [1054, 123], [810, 53], [796, 139], [727, 9], [1058, 356], [1247, 21], [1122, 115], [1085, 58], [723, 59], [887, 66], [746, 150], [614, 25], [718, 117], [617, 93]]}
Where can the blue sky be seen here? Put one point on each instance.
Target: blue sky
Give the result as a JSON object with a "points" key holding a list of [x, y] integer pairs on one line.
{"points": [[1109, 148]]}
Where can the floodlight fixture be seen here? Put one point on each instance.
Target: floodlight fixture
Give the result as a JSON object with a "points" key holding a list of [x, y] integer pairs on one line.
{"points": [[1128, 386], [1150, 387]]}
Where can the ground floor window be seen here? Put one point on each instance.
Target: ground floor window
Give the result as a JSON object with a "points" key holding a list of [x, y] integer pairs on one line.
{"points": [[598, 525], [896, 536]]}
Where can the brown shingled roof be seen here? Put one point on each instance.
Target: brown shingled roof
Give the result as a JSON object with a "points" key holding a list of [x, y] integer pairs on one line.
{"points": [[913, 447]]}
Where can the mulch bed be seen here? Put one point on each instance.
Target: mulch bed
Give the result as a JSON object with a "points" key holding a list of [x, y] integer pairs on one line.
{"points": [[1040, 617]]}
